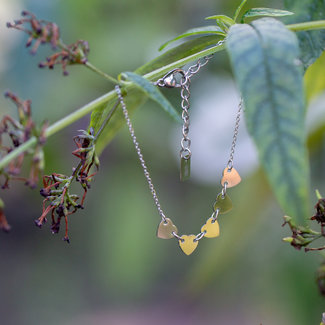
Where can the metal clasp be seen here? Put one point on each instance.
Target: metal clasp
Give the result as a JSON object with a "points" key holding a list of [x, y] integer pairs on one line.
{"points": [[172, 79]]}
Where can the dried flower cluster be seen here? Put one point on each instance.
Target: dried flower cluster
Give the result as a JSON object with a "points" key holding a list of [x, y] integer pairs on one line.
{"points": [[303, 236], [45, 32], [18, 132], [56, 188], [59, 202]]}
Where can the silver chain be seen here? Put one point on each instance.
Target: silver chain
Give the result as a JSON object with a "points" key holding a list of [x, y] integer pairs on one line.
{"points": [[186, 141], [138, 150], [234, 139]]}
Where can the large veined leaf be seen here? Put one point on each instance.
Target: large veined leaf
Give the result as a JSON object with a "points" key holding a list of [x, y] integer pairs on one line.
{"points": [[270, 80], [312, 43], [196, 31], [179, 52]]}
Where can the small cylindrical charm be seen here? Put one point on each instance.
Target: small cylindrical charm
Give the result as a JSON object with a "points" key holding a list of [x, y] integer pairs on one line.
{"points": [[185, 172]]}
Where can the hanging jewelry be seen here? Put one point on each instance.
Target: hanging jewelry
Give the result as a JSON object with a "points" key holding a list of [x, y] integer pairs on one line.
{"points": [[170, 80], [222, 204], [230, 177]]}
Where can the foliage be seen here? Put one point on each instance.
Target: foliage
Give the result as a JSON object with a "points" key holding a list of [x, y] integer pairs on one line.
{"points": [[312, 43]]}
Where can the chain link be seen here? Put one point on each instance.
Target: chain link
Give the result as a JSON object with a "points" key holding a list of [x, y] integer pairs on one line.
{"points": [[215, 214], [200, 235], [224, 190], [138, 150], [185, 104], [177, 236], [234, 139]]}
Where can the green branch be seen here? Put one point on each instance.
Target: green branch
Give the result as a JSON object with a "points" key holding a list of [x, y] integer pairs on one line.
{"points": [[88, 108], [310, 25], [154, 75], [101, 73]]}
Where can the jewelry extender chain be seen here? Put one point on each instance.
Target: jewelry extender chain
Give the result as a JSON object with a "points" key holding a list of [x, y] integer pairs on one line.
{"points": [[230, 176], [182, 79]]}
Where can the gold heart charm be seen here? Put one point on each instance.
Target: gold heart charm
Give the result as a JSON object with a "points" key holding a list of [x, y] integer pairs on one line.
{"points": [[211, 228], [187, 244], [165, 229], [224, 204], [231, 177]]}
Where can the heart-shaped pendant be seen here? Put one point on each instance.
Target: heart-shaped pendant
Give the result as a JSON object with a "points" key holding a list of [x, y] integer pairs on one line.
{"points": [[224, 203], [165, 229], [188, 244], [211, 228], [231, 177]]}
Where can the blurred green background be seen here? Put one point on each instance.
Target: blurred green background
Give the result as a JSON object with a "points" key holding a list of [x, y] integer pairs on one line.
{"points": [[115, 271]]}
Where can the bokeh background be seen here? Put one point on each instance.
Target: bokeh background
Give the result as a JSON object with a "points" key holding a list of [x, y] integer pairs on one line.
{"points": [[115, 271]]}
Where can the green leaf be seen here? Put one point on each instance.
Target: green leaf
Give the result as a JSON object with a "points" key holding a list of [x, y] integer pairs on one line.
{"points": [[99, 115], [153, 92], [270, 80], [133, 99], [196, 31], [312, 43], [222, 20], [268, 12], [238, 10], [179, 52], [315, 78]]}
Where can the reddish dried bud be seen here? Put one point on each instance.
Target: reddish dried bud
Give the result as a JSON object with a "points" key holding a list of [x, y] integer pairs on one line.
{"points": [[55, 228], [40, 221], [66, 238], [320, 212], [60, 210]]}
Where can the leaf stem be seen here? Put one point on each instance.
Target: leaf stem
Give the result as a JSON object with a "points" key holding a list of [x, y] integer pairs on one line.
{"points": [[309, 25], [101, 73]]}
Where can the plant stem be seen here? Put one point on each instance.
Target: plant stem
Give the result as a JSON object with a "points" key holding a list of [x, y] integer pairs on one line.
{"points": [[101, 73], [88, 108], [310, 25]]}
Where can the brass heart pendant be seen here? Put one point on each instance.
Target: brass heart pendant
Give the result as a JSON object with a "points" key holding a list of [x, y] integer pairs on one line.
{"points": [[211, 228], [223, 203], [165, 229], [187, 243], [231, 177]]}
